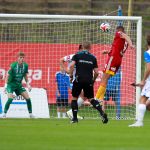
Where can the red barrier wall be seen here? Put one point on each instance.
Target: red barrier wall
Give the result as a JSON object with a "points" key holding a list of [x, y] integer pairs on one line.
{"points": [[43, 60]]}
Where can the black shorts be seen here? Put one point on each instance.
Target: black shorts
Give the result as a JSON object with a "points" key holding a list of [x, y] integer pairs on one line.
{"points": [[86, 87], [62, 102]]}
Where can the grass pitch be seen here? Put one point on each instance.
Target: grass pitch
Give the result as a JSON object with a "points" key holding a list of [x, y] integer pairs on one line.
{"points": [[53, 134]]}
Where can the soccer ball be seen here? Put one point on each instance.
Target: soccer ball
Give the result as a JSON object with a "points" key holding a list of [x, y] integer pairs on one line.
{"points": [[105, 27]]}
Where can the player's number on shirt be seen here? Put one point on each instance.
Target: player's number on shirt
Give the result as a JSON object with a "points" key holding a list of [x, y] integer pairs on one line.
{"points": [[124, 49]]}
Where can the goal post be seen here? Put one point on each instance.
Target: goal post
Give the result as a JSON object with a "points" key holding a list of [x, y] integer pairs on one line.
{"points": [[47, 38], [138, 61]]}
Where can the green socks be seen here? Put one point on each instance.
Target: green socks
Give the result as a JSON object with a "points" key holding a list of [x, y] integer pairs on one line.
{"points": [[9, 101], [29, 105]]}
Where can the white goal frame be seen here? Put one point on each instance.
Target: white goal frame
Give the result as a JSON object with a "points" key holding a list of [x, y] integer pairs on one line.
{"points": [[78, 17]]}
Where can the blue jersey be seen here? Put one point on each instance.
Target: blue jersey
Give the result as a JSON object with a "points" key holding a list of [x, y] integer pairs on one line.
{"points": [[147, 56], [147, 59], [63, 84], [114, 81]]}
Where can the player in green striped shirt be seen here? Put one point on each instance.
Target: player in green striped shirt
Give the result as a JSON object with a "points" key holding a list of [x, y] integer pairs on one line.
{"points": [[17, 72]]}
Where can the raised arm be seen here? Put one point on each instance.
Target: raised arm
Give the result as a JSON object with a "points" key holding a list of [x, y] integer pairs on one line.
{"points": [[127, 38], [62, 62], [62, 65]]}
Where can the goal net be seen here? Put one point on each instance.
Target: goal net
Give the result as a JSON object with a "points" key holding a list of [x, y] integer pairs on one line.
{"points": [[45, 39]]}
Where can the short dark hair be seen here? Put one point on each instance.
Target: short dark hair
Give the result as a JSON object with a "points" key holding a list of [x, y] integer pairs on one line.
{"points": [[148, 39], [20, 54], [86, 45], [80, 47], [120, 28]]}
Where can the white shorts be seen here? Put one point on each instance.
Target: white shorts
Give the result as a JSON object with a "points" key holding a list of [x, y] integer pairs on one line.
{"points": [[146, 90]]}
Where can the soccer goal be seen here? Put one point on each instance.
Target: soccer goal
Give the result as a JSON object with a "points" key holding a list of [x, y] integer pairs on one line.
{"points": [[47, 38]]}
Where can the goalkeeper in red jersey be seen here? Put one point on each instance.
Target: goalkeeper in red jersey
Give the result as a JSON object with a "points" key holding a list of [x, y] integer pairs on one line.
{"points": [[120, 44]]}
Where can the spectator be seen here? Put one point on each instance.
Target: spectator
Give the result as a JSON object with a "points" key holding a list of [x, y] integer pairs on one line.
{"points": [[63, 85]]}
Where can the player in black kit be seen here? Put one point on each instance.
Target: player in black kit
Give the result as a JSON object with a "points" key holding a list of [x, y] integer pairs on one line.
{"points": [[85, 64]]}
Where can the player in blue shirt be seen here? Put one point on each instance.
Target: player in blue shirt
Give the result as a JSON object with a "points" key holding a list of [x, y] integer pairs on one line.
{"points": [[145, 85], [113, 91], [63, 85]]}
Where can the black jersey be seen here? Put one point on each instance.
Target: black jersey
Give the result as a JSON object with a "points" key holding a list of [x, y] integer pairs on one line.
{"points": [[85, 63]]}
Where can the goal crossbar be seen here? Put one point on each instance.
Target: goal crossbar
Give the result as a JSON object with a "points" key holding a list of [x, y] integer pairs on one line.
{"points": [[30, 16]]}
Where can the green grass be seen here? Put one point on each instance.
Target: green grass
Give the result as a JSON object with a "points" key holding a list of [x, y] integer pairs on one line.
{"points": [[53, 134]]}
